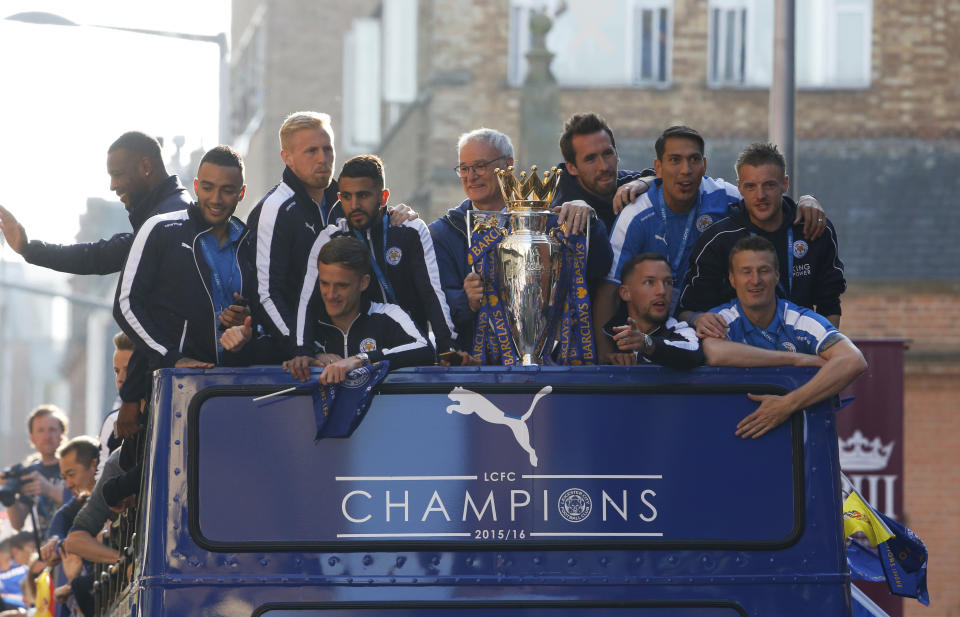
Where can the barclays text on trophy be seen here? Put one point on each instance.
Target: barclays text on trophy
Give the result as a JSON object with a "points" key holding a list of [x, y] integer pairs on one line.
{"points": [[536, 306]]}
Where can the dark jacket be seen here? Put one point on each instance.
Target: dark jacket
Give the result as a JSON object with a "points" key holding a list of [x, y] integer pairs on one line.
{"points": [[817, 277], [383, 331], [675, 344], [107, 256], [283, 227], [164, 300], [569, 189], [450, 243]]}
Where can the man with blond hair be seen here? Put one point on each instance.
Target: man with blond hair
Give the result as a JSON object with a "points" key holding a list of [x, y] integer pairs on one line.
{"points": [[285, 223]]}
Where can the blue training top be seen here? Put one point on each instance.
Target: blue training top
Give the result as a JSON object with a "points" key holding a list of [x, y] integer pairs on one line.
{"points": [[793, 328]]}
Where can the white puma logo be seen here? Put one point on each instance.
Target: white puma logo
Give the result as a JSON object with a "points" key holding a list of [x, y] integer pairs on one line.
{"points": [[468, 402], [310, 227], [660, 238]]}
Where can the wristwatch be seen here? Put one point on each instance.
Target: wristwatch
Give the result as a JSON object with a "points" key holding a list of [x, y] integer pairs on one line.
{"points": [[364, 358]]}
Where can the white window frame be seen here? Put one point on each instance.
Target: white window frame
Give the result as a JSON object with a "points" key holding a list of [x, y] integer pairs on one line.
{"points": [[362, 96], [819, 55], [520, 39], [636, 8]]}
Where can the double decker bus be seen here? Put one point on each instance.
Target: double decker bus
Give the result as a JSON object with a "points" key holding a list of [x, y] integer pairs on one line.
{"points": [[513, 492]]}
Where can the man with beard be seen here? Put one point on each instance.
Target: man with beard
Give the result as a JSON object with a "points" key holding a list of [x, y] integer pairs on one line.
{"points": [[401, 257]]}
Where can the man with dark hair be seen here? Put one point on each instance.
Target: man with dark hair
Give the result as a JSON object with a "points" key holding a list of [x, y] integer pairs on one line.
{"points": [[590, 167], [811, 273], [402, 257], [140, 180], [183, 271], [79, 459], [670, 217], [757, 317], [42, 490], [351, 331]]}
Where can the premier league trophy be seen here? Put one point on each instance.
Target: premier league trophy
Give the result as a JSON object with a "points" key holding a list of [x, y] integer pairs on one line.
{"points": [[534, 288]]}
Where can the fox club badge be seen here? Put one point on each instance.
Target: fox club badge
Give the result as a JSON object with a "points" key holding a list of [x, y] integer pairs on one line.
{"points": [[393, 255], [575, 505], [788, 346], [368, 344], [704, 221], [800, 248]]}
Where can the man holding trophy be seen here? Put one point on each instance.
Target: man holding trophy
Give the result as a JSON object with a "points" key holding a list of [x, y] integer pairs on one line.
{"points": [[468, 287]]}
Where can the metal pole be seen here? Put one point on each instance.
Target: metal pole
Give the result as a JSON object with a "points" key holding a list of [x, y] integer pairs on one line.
{"points": [[783, 87]]}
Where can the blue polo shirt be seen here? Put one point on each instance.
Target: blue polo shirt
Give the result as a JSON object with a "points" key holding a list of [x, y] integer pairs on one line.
{"points": [[793, 328], [225, 271]]}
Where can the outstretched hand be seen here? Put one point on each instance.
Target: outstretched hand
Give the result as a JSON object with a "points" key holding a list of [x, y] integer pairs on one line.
{"points": [[13, 231]]}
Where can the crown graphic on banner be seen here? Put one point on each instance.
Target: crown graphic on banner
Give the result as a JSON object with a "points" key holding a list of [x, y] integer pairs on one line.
{"points": [[859, 454], [527, 191]]}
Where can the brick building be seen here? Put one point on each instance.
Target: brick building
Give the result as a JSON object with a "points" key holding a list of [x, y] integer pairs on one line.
{"points": [[878, 141]]}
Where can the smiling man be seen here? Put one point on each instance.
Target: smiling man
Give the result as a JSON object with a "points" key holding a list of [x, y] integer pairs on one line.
{"points": [[403, 262], [184, 270], [811, 273], [758, 318], [480, 152]]}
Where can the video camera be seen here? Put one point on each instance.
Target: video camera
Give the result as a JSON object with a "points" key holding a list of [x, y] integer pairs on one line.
{"points": [[14, 483]]}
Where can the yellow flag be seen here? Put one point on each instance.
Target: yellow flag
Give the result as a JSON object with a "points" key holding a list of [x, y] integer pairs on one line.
{"points": [[858, 516], [45, 601]]}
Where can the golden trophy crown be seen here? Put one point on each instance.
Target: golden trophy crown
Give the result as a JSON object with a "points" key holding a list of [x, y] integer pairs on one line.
{"points": [[526, 191]]}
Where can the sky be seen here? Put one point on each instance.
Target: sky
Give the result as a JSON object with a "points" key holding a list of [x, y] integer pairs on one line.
{"points": [[68, 92]]}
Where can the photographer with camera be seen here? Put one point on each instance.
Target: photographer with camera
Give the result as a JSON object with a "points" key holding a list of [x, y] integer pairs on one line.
{"points": [[37, 486]]}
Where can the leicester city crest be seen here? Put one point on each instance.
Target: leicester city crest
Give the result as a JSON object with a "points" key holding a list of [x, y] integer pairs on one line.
{"points": [[575, 505], [704, 221], [800, 248], [368, 344], [788, 346], [357, 378], [393, 255]]}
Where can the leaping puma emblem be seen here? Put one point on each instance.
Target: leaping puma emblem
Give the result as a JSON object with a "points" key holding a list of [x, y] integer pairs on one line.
{"points": [[468, 402]]}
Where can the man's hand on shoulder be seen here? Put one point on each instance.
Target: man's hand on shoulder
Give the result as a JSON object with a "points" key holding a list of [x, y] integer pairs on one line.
{"points": [[400, 214], [573, 216], [810, 213], [13, 231], [629, 192], [709, 325]]}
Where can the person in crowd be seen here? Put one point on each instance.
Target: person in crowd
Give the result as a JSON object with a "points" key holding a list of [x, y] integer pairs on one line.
{"points": [[140, 180], [11, 573], [79, 460], [81, 539], [590, 169], [402, 257], [811, 273], [42, 488], [351, 331], [109, 441], [757, 317], [480, 152], [670, 217]]}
